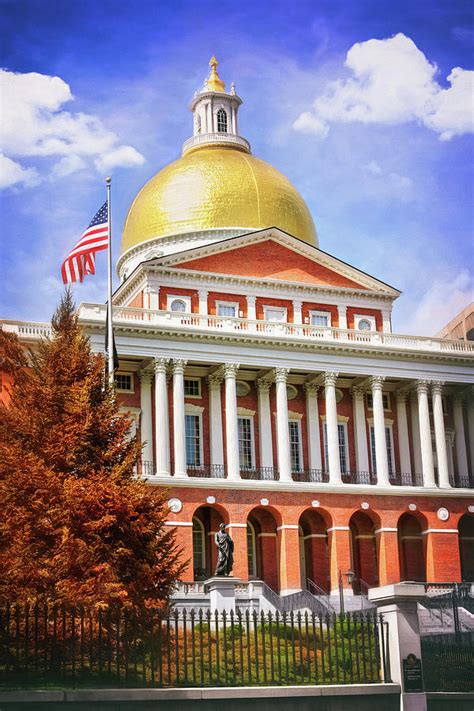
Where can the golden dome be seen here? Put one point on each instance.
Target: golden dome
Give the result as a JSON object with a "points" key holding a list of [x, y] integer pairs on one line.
{"points": [[216, 187]]}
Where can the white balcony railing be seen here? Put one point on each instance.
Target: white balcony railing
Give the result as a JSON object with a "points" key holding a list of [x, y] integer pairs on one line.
{"points": [[240, 326], [170, 320]]}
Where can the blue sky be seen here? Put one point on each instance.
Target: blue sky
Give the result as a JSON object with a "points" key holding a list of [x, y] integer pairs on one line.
{"points": [[365, 106]]}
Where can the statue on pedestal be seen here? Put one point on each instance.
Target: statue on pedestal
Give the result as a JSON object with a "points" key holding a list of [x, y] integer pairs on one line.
{"points": [[225, 551]]}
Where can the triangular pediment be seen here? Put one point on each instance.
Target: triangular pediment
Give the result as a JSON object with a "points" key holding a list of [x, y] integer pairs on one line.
{"points": [[275, 256]]}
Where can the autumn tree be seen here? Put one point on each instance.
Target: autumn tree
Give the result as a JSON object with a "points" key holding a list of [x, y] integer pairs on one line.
{"points": [[76, 524]]}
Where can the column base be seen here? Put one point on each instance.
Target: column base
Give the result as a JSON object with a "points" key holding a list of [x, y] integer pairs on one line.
{"points": [[181, 475], [162, 473]]}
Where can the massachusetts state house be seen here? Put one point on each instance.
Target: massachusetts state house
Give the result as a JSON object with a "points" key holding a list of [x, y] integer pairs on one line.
{"points": [[269, 390]]}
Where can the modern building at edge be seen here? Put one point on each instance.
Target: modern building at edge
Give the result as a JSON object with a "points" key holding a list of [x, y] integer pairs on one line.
{"points": [[268, 389]]}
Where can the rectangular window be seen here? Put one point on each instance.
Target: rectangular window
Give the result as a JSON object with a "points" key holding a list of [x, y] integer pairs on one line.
{"points": [[295, 445], [271, 314], [224, 309], [193, 440], [246, 459], [341, 434], [124, 381], [385, 400], [388, 444], [320, 318], [192, 387]]}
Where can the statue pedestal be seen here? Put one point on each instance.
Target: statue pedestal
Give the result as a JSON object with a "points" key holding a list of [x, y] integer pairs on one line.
{"points": [[221, 591]]}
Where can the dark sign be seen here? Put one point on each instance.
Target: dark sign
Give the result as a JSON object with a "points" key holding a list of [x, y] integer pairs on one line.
{"points": [[412, 674]]}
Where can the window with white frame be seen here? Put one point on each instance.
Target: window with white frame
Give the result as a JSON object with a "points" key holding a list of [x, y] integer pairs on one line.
{"points": [[193, 440], [364, 323], [342, 440], [389, 446], [192, 387], [199, 549], [320, 318], [251, 551], [222, 121], [124, 382], [246, 444], [179, 304], [385, 399], [227, 308], [271, 313], [296, 454]]}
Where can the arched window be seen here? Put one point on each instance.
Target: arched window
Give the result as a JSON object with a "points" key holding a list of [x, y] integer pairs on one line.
{"points": [[365, 325], [199, 550], [251, 551], [221, 121], [178, 305]]}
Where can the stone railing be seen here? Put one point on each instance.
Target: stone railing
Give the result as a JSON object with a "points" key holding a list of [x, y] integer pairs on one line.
{"points": [[292, 331], [204, 139], [27, 331]]}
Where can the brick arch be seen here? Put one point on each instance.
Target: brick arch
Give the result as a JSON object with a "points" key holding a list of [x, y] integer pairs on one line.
{"points": [[314, 549], [210, 517], [412, 546], [265, 524], [466, 546], [362, 527]]}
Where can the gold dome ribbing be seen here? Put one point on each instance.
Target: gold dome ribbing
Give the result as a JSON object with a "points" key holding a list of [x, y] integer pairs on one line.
{"points": [[216, 187]]}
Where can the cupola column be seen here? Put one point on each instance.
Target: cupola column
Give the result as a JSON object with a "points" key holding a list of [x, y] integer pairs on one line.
{"points": [[179, 422], [231, 421], [379, 431], [264, 424], [425, 433], [215, 422], [203, 294], [162, 430], [342, 316], [283, 434], [440, 435], [251, 312], [403, 441], [362, 454], [297, 313], [332, 433]]}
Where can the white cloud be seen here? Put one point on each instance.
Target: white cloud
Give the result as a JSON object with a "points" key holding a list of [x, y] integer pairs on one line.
{"points": [[12, 173], [393, 83], [35, 125], [445, 297]]}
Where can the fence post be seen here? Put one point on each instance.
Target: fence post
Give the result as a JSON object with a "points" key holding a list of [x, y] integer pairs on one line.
{"points": [[398, 605]]}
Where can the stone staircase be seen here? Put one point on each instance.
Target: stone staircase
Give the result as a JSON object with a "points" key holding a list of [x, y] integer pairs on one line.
{"points": [[438, 620]]}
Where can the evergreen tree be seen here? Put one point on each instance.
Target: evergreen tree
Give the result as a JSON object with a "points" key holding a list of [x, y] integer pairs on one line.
{"points": [[77, 525]]}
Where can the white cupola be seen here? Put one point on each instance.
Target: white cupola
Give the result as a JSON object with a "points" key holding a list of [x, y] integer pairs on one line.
{"points": [[215, 115]]}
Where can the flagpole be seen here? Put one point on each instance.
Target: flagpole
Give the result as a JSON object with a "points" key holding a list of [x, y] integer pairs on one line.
{"points": [[110, 330]]}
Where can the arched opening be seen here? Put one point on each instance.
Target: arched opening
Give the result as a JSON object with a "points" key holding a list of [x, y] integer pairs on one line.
{"points": [[364, 552], [411, 548], [178, 305], [263, 557], [206, 521], [466, 547], [221, 121], [314, 552]]}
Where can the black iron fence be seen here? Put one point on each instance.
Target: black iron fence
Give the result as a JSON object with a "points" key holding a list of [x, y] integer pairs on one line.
{"points": [[448, 661], [43, 645]]}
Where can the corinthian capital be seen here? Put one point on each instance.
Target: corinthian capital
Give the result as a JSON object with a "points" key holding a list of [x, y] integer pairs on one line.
{"points": [[357, 392], [437, 387], [145, 376], [161, 365], [281, 374], [311, 388], [422, 387], [330, 378], [377, 382], [214, 380], [263, 386], [230, 369], [178, 366]]}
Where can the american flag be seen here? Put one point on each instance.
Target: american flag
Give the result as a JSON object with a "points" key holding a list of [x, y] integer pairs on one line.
{"points": [[81, 260]]}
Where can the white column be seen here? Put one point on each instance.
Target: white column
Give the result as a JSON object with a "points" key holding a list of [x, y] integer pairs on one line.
{"points": [[386, 321], [342, 317], [162, 430], [334, 461], [203, 294], [178, 419], [425, 433], [440, 435], [215, 421], [297, 314], [460, 439], [381, 456], [154, 298], [403, 440], [231, 424], [470, 427], [283, 435], [251, 312], [264, 424], [362, 453], [415, 433], [312, 419], [146, 421]]}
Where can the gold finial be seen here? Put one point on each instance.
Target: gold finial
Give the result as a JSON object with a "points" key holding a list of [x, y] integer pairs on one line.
{"points": [[214, 83]]}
